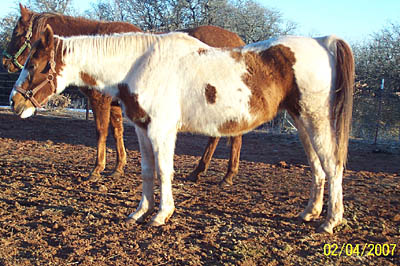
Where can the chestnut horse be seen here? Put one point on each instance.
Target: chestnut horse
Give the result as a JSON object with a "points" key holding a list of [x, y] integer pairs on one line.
{"points": [[173, 82], [106, 110]]}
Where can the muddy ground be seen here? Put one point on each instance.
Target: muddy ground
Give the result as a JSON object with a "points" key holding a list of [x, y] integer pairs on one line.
{"points": [[49, 217]]}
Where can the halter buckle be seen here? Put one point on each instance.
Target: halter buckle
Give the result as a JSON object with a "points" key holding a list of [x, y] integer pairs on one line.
{"points": [[29, 94]]}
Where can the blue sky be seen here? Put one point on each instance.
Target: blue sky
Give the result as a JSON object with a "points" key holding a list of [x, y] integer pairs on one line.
{"points": [[350, 19], [353, 20]]}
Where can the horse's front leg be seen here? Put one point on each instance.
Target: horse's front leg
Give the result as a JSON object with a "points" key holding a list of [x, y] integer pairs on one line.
{"points": [[116, 119], [163, 146], [146, 204], [101, 105]]}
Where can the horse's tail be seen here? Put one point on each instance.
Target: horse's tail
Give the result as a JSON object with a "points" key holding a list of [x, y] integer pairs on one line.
{"points": [[343, 101]]}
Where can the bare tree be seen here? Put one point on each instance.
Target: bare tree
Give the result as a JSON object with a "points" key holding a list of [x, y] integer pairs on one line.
{"points": [[7, 24], [248, 18], [57, 6], [105, 11], [253, 22]]}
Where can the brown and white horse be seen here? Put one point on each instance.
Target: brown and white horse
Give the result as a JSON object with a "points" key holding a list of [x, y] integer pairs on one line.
{"points": [[106, 111], [173, 82]]}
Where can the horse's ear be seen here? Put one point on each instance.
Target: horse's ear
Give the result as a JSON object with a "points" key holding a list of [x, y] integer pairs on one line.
{"points": [[47, 37], [25, 14]]}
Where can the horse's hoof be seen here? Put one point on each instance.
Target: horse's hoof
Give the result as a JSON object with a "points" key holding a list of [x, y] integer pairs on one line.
{"points": [[226, 183], [92, 177], [300, 220], [305, 218], [130, 220], [309, 216], [193, 177], [116, 174], [155, 223], [325, 228], [157, 220]]}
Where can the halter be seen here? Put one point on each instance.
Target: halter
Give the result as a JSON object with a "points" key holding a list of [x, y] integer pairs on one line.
{"points": [[30, 94], [27, 44]]}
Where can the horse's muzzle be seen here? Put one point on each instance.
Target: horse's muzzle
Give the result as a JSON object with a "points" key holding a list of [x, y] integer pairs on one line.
{"points": [[8, 66]]}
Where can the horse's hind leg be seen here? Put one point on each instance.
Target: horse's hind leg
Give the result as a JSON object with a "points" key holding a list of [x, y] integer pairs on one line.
{"points": [[205, 160], [233, 166], [315, 203], [146, 204], [323, 141], [116, 120]]}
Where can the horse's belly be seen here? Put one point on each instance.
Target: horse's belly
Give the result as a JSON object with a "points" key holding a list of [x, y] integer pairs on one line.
{"points": [[224, 120]]}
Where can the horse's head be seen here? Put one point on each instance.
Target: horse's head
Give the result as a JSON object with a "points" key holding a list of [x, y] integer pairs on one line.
{"points": [[38, 78], [18, 48]]}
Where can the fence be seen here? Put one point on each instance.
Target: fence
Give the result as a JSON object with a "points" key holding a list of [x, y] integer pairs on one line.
{"points": [[376, 117], [7, 81]]}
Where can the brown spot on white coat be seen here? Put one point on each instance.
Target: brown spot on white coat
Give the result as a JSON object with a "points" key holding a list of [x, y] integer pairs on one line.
{"points": [[87, 79], [211, 93], [133, 110], [202, 51], [270, 77]]}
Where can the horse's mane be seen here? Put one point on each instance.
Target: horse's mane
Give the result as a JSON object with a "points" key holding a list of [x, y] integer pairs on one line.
{"points": [[104, 46], [41, 20], [44, 16], [79, 25]]}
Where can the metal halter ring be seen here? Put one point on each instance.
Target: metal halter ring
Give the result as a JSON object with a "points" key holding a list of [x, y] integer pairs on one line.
{"points": [[29, 94]]}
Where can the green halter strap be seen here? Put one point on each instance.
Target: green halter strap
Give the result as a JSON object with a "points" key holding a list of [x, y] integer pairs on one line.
{"points": [[27, 43]]}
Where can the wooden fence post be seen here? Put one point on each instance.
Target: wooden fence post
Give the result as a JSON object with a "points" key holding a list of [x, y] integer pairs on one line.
{"points": [[87, 108], [379, 110]]}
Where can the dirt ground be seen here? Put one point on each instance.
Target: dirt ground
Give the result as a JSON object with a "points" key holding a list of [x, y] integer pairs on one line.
{"points": [[49, 217]]}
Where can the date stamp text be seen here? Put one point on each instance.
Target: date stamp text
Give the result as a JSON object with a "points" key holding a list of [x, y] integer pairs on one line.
{"points": [[368, 249]]}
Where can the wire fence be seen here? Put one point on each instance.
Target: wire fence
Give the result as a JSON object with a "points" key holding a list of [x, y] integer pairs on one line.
{"points": [[376, 116], [7, 81]]}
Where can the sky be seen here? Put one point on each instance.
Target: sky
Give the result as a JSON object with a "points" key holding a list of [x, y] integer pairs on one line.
{"points": [[353, 20]]}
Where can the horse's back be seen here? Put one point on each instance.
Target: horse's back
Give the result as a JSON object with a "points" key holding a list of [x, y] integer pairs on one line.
{"points": [[116, 27], [314, 60], [215, 36]]}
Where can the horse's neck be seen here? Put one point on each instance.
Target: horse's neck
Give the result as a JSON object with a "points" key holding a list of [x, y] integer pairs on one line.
{"points": [[106, 59], [65, 26]]}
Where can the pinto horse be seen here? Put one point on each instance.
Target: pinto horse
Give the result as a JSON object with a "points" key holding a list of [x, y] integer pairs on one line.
{"points": [[173, 82], [105, 110]]}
